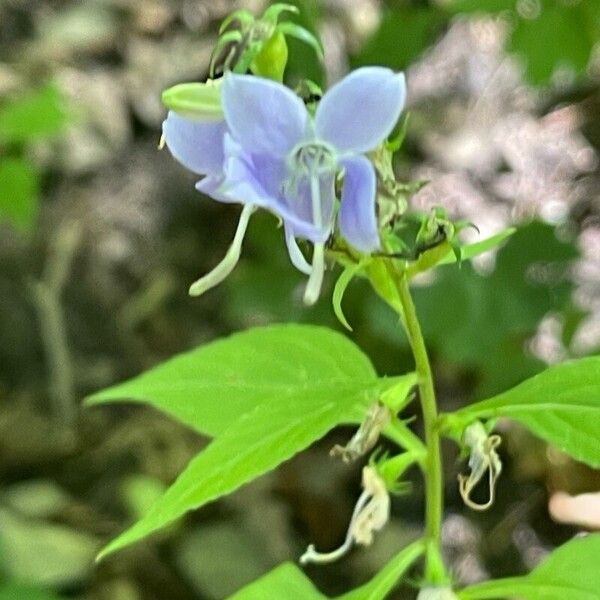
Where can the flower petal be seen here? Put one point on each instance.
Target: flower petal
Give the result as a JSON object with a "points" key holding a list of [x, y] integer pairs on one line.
{"points": [[360, 111], [261, 179], [211, 186], [197, 145], [263, 115], [357, 218]]}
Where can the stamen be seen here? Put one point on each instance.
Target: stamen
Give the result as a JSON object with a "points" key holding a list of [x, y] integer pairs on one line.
{"points": [[315, 281], [226, 266]]}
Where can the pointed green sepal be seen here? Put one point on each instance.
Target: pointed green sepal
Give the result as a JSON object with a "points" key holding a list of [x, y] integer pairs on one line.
{"points": [[242, 16], [340, 288], [300, 33], [272, 14]]}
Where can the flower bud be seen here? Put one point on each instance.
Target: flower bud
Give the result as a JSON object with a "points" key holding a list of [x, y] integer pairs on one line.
{"points": [[196, 101], [272, 59]]}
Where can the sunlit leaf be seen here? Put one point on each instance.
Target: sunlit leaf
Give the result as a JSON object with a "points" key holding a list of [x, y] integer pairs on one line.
{"points": [[210, 387], [264, 436], [561, 405]]}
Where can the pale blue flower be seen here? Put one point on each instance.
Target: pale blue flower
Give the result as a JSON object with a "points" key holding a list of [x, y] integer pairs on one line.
{"points": [[275, 155]]}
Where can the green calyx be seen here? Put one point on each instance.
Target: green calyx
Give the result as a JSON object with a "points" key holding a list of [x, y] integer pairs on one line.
{"points": [[271, 61], [258, 45]]}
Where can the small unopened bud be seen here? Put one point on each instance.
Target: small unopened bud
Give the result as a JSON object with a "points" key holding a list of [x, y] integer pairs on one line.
{"points": [[483, 457], [196, 101], [366, 436]]}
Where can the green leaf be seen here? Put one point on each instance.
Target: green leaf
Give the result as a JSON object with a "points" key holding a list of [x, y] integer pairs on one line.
{"points": [[288, 581], [285, 581], [39, 114], [19, 189], [569, 573], [385, 581], [268, 393], [264, 364], [472, 250], [561, 405], [260, 440]]}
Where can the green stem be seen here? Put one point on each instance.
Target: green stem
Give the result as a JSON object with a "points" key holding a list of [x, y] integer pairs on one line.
{"points": [[435, 572]]}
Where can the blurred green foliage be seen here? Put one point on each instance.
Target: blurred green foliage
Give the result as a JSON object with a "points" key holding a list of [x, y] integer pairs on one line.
{"points": [[38, 114], [30, 117], [404, 33], [547, 35], [19, 193], [484, 322]]}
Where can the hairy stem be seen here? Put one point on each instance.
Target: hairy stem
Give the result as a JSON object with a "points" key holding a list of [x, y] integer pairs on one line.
{"points": [[435, 572]]}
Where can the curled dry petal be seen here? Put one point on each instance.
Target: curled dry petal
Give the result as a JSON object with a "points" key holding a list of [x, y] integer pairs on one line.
{"points": [[371, 513], [366, 436], [483, 458]]}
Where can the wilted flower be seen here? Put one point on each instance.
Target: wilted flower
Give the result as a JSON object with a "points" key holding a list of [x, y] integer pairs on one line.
{"points": [[371, 513], [270, 152], [483, 458], [366, 436]]}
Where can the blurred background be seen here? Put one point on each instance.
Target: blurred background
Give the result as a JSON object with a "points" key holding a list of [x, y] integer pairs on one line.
{"points": [[101, 234]]}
